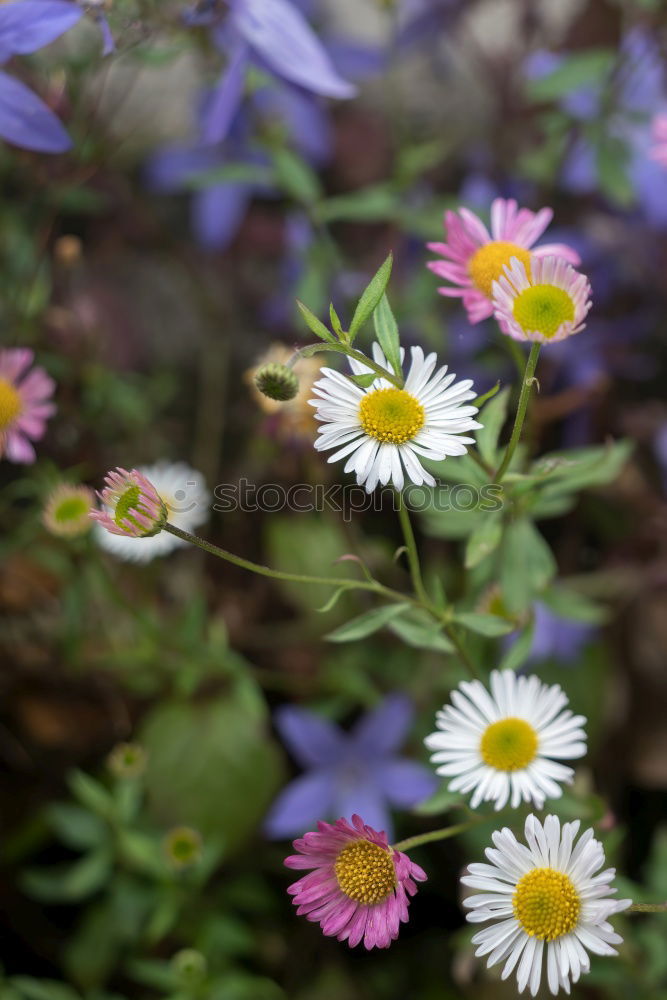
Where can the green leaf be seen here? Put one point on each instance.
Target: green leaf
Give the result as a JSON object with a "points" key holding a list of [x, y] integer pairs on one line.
{"points": [[75, 826], [363, 381], [493, 417], [69, 883], [572, 604], [314, 324], [230, 173], [296, 177], [571, 471], [386, 329], [371, 296], [369, 205], [613, 161], [366, 624], [421, 633], [333, 600], [577, 70], [518, 652], [483, 541], [527, 565], [335, 321], [212, 764], [440, 802], [43, 989], [91, 793], [484, 624]]}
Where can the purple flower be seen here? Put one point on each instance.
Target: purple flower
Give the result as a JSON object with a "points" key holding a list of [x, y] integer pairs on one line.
{"points": [[25, 27], [271, 34], [347, 773], [555, 638]]}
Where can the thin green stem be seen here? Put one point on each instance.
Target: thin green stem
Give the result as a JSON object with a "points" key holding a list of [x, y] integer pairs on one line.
{"points": [[443, 834], [350, 352], [526, 386], [276, 574], [647, 908], [413, 554]]}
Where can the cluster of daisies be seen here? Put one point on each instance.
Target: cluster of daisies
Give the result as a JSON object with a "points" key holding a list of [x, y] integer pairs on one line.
{"points": [[546, 900]]}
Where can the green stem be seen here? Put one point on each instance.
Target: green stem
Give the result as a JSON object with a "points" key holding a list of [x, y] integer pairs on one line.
{"points": [[526, 386], [413, 554], [443, 834], [350, 352], [276, 574], [647, 908]]}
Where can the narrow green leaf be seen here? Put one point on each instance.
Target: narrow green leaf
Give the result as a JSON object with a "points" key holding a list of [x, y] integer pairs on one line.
{"points": [[420, 634], [518, 652], [363, 381], [577, 70], [335, 321], [90, 793], [440, 802], [296, 177], [314, 324], [366, 624], [568, 603], [386, 329], [371, 296], [492, 417], [484, 624], [333, 600], [368, 205], [483, 541]]}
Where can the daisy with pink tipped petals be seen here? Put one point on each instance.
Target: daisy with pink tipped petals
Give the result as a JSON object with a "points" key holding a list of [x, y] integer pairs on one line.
{"points": [[25, 404], [549, 301], [132, 505], [476, 257], [659, 135], [359, 888]]}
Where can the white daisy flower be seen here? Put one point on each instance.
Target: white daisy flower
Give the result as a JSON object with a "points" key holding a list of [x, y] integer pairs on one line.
{"points": [[507, 742], [545, 302], [184, 493], [546, 893], [385, 430]]}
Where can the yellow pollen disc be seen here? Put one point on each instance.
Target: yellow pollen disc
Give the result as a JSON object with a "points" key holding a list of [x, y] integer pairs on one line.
{"points": [[365, 872], [10, 404], [546, 904], [509, 745], [543, 308], [391, 415], [488, 263]]}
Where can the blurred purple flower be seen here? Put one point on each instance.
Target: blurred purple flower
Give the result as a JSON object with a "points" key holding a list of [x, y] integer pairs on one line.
{"points": [[346, 773], [422, 21], [26, 26], [554, 638], [271, 34], [640, 94]]}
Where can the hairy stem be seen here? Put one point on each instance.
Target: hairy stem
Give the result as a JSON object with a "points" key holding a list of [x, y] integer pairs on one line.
{"points": [[526, 386]]}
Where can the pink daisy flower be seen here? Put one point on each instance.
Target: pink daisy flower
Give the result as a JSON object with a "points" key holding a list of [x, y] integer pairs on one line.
{"points": [[132, 505], [659, 134], [25, 404], [360, 886], [476, 258], [548, 302]]}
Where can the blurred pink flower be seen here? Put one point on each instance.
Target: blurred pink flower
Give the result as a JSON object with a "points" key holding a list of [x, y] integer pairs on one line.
{"points": [[659, 135], [25, 404], [476, 258], [360, 886]]}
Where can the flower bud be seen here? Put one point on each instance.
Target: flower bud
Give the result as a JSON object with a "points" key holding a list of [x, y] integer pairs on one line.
{"points": [[127, 760], [183, 847], [277, 382]]}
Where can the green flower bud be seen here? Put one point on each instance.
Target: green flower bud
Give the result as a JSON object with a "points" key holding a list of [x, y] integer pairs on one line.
{"points": [[127, 760], [183, 847], [277, 382], [189, 967]]}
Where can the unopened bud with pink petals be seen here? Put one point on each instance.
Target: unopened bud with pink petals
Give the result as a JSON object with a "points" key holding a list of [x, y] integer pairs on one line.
{"points": [[132, 505]]}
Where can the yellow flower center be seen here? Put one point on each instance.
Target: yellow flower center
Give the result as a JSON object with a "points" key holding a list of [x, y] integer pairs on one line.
{"points": [[489, 262], [546, 904], [509, 745], [391, 415], [365, 872], [10, 404], [543, 308]]}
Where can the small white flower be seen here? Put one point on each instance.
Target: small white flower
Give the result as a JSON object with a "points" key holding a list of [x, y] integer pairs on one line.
{"points": [[184, 492], [504, 743], [544, 897], [384, 431]]}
